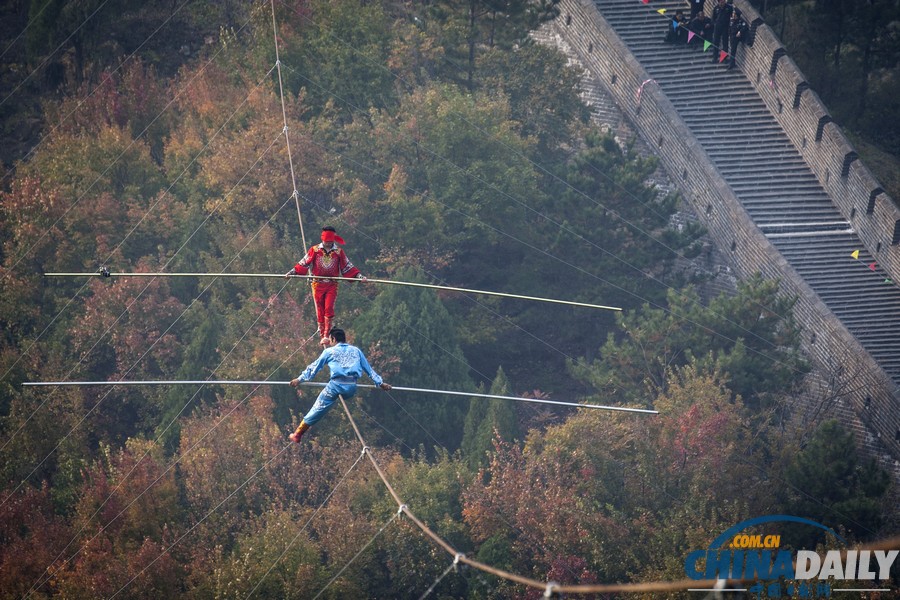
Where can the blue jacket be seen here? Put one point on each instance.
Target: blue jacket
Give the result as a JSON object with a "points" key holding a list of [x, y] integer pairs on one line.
{"points": [[344, 361]]}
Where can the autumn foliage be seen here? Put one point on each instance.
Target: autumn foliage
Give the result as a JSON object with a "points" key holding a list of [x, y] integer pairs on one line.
{"points": [[446, 148]]}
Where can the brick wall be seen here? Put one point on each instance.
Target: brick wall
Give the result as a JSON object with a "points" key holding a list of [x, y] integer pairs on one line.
{"points": [[866, 398], [857, 194]]}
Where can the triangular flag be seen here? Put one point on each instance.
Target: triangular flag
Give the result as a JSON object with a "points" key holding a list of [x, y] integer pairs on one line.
{"points": [[646, 1], [722, 55], [690, 35], [674, 24], [855, 254], [706, 45], [872, 267], [888, 281], [661, 11]]}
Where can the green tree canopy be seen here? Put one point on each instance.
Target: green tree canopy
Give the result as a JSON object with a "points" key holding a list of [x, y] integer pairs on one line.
{"points": [[831, 484], [413, 327], [488, 419], [751, 336]]}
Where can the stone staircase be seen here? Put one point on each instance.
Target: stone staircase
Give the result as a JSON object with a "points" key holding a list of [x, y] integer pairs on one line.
{"points": [[768, 175]]}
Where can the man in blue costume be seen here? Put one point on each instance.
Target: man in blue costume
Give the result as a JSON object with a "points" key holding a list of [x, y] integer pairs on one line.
{"points": [[346, 363]]}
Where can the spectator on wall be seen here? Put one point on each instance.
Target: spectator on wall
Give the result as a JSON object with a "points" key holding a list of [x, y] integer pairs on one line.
{"points": [[702, 27], [677, 32], [721, 18], [696, 6], [738, 33]]}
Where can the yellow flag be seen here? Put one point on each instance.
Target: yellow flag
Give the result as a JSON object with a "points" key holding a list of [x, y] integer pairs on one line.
{"points": [[661, 11], [855, 254]]}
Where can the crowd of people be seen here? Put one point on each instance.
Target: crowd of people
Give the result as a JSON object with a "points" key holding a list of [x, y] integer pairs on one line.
{"points": [[723, 31]]}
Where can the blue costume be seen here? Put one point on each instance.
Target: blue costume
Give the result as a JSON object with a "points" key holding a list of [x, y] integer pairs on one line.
{"points": [[347, 363]]}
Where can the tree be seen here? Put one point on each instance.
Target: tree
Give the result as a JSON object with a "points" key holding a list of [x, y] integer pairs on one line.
{"points": [[452, 155], [268, 559], [337, 51], [199, 360], [82, 25], [576, 498], [831, 485], [542, 90], [30, 533], [469, 26], [420, 334], [486, 420], [431, 489], [751, 336], [600, 235]]}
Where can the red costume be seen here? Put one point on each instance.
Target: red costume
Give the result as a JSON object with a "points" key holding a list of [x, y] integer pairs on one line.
{"points": [[324, 262]]}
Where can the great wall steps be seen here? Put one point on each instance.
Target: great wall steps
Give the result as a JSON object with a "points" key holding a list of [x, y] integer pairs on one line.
{"points": [[750, 151]]}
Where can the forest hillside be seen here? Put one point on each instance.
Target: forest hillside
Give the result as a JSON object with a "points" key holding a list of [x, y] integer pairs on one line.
{"points": [[446, 149]]}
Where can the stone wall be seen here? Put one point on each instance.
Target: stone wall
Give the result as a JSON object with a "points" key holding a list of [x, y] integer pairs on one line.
{"points": [[863, 395], [857, 194]]}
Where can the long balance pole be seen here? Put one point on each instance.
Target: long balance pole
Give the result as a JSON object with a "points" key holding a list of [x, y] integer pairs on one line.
{"points": [[105, 273], [317, 384]]}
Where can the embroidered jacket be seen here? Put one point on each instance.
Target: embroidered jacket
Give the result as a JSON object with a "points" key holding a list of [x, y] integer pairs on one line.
{"points": [[344, 361], [324, 263]]}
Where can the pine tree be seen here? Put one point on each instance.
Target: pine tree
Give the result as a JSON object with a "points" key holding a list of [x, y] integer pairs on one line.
{"points": [[830, 484], [412, 326], [485, 417], [200, 358]]}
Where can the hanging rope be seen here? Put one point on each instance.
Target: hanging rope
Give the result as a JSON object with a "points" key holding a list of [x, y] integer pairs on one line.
{"points": [[533, 583], [295, 194]]}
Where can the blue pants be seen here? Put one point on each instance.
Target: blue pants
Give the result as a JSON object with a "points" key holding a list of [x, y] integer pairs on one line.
{"points": [[326, 398]]}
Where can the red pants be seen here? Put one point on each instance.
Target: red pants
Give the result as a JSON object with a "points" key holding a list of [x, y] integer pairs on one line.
{"points": [[324, 295]]}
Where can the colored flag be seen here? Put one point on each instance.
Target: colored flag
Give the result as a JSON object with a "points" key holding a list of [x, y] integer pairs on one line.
{"points": [[722, 55], [888, 281], [872, 267], [690, 35], [674, 24], [855, 254], [646, 1], [661, 11], [706, 45]]}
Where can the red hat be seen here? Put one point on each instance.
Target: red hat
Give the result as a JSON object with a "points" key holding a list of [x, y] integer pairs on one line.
{"points": [[330, 236]]}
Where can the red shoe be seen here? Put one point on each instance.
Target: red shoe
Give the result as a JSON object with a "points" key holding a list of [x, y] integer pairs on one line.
{"points": [[295, 437]]}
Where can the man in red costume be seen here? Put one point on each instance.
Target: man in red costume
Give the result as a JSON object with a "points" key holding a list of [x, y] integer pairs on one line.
{"points": [[326, 260]]}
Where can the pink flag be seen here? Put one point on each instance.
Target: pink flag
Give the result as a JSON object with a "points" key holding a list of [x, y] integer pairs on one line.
{"points": [[872, 267], [690, 35], [646, 1]]}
